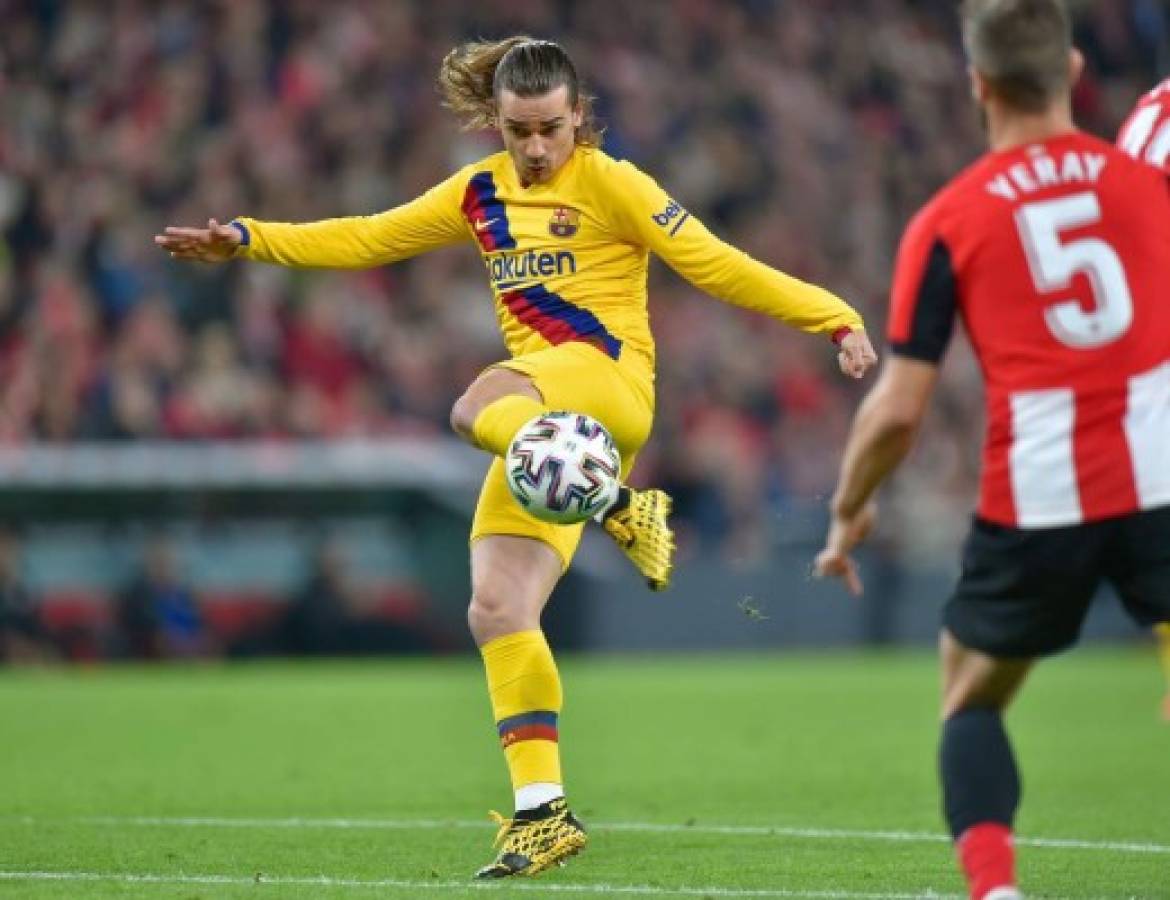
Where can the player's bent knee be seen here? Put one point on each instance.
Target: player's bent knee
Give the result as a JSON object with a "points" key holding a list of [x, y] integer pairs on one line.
{"points": [[983, 684], [467, 408], [490, 615], [485, 390], [958, 701], [991, 690], [463, 413]]}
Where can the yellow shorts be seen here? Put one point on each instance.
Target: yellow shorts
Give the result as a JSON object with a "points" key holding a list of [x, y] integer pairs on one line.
{"points": [[578, 377]]}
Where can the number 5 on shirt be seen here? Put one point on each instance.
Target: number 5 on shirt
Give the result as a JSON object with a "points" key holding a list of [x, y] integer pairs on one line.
{"points": [[1054, 262]]}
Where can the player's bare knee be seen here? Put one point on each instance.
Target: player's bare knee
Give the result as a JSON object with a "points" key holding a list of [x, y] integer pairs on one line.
{"points": [[490, 615], [956, 701], [463, 414], [485, 390], [991, 689], [980, 682]]}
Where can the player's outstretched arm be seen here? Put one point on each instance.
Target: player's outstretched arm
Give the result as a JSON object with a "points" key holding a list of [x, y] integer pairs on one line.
{"points": [[882, 434], [215, 243], [649, 216], [428, 222]]}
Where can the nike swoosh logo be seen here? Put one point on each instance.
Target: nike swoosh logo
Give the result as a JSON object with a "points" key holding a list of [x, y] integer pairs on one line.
{"points": [[484, 224]]}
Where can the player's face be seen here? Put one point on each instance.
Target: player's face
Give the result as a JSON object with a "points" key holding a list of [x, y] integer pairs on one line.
{"points": [[538, 132]]}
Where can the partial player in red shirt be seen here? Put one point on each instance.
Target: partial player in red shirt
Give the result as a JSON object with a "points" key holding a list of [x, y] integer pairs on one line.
{"points": [[1146, 136], [1054, 250], [1146, 133]]}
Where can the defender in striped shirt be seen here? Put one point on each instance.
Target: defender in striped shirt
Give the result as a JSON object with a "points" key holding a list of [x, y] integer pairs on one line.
{"points": [[1146, 136], [1146, 133], [1054, 251]]}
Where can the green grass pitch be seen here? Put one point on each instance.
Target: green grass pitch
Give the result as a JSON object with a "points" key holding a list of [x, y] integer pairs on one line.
{"points": [[786, 775]]}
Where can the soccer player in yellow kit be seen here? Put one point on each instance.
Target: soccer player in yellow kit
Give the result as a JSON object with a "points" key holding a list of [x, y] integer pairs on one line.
{"points": [[565, 233]]}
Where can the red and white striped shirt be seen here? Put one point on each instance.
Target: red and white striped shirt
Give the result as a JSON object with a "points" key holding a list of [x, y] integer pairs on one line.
{"points": [[1146, 133], [1056, 256]]}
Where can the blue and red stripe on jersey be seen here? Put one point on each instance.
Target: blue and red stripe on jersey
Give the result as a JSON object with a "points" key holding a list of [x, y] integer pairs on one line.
{"points": [[539, 725], [487, 214], [551, 316], [557, 320]]}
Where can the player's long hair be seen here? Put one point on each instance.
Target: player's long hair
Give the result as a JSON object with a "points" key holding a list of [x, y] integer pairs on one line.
{"points": [[473, 74], [1021, 48]]}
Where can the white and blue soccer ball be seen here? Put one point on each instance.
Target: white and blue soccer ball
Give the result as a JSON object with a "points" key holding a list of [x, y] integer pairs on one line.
{"points": [[563, 467]]}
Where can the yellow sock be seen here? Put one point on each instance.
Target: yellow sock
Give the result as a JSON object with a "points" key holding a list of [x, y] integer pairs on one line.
{"points": [[526, 699], [498, 422]]}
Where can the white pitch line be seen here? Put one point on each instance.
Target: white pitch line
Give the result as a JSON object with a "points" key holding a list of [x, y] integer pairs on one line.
{"points": [[544, 888], [921, 837]]}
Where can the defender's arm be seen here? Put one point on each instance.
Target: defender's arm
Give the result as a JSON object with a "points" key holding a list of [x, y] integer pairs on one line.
{"points": [[883, 431], [922, 318]]}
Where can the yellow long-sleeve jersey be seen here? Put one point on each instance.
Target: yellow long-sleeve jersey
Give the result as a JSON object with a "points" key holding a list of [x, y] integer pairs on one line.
{"points": [[567, 260]]}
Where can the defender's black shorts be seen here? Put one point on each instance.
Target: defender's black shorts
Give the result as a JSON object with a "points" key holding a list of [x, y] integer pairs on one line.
{"points": [[1026, 592]]}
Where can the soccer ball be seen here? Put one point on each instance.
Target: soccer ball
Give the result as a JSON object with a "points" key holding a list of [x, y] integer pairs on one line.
{"points": [[563, 467]]}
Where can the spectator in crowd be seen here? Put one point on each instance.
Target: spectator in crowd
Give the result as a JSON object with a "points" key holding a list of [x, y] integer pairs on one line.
{"points": [[158, 614], [23, 635], [319, 616], [335, 614]]}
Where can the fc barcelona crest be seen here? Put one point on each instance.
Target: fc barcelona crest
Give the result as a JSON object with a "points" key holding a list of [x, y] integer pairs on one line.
{"points": [[564, 222]]}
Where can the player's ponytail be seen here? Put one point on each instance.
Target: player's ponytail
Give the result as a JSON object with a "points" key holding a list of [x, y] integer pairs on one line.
{"points": [[473, 74]]}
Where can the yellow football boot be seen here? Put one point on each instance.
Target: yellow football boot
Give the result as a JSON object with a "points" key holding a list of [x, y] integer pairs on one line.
{"points": [[638, 523], [535, 840]]}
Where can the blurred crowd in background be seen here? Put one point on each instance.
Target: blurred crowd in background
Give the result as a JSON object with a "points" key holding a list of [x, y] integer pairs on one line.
{"points": [[162, 605], [806, 133]]}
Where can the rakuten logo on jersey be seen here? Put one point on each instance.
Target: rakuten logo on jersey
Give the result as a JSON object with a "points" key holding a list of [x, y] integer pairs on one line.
{"points": [[510, 269], [672, 217]]}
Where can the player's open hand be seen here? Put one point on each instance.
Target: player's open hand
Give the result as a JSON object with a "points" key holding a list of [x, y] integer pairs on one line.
{"points": [[845, 534], [856, 355], [215, 243]]}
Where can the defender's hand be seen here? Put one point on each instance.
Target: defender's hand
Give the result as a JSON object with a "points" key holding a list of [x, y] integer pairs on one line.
{"points": [[856, 356], [215, 243], [845, 534]]}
